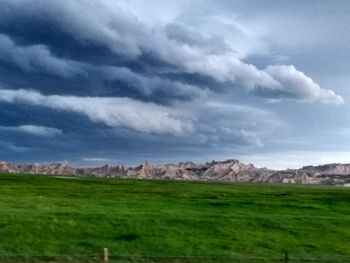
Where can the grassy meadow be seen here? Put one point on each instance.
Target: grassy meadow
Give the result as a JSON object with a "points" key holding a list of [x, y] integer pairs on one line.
{"points": [[71, 219]]}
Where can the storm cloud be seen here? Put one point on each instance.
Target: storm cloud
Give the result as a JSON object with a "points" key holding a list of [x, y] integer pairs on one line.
{"points": [[104, 23], [135, 75]]}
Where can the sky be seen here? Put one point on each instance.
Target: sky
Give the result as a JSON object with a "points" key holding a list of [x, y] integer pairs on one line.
{"points": [[120, 82]]}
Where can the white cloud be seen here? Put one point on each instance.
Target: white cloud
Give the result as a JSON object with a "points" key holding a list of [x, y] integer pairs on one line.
{"points": [[96, 159], [34, 130], [297, 85], [39, 130], [215, 124], [114, 112]]}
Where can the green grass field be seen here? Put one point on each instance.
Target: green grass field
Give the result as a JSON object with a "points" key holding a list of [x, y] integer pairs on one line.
{"points": [[44, 218]]}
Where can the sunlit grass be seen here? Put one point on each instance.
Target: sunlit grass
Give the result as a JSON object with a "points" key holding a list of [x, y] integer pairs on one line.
{"points": [[42, 216]]}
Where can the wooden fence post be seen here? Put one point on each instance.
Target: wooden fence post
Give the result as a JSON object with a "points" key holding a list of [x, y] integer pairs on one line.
{"points": [[105, 255]]}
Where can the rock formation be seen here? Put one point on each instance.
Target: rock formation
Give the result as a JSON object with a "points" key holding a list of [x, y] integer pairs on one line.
{"points": [[229, 170]]}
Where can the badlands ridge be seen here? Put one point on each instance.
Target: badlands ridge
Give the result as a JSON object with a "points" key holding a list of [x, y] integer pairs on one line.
{"points": [[229, 170]]}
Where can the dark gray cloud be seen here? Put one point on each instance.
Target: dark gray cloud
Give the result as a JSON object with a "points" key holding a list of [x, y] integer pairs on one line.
{"points": [[105, 23], [37, 58]]}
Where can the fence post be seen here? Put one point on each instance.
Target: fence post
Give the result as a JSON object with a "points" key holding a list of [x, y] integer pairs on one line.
{"points": [[105, 255], [286, 256]]}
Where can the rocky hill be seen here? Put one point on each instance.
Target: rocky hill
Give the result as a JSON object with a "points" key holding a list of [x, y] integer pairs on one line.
{"points": [[229, 170]]}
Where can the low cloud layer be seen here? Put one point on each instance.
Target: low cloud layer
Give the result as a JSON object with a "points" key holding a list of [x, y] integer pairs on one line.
{"points": [[33, 130], [297, 85], [114, 112], [36, 58]]}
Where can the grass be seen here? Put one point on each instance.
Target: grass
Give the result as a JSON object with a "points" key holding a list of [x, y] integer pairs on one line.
{"points": [[43, 218]]}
